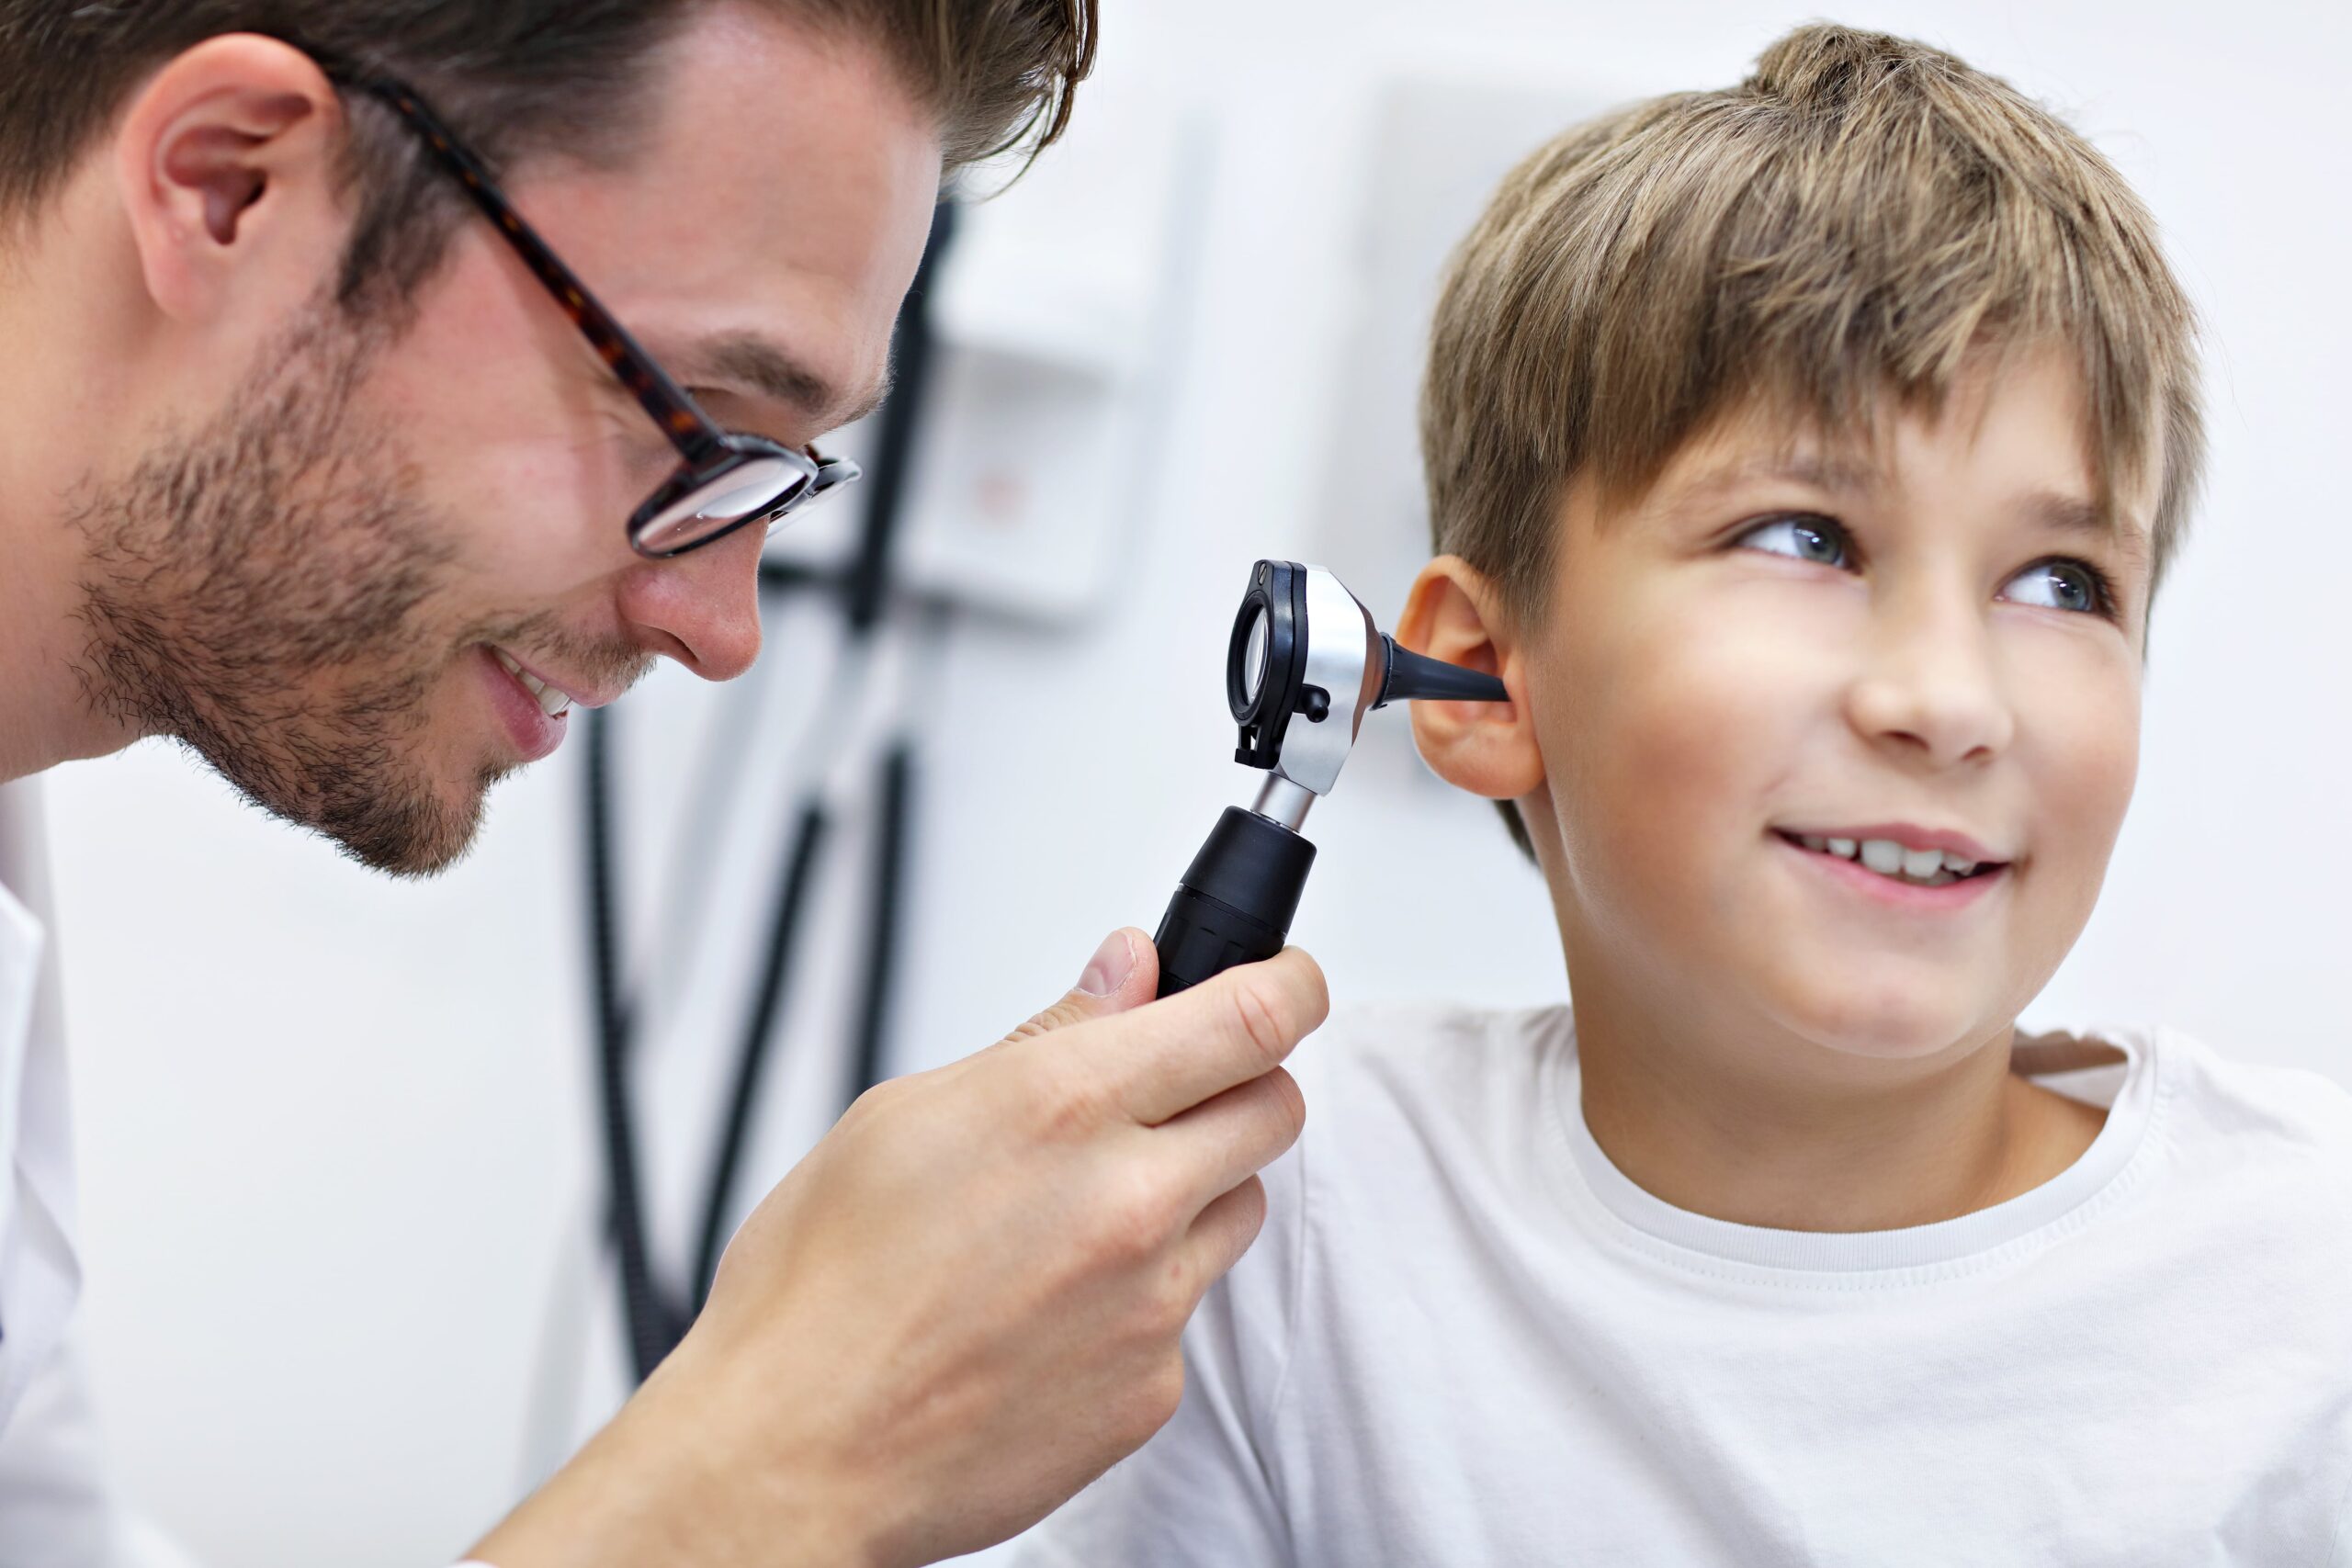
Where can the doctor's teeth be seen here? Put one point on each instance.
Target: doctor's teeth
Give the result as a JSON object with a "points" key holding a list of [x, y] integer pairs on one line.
{"points": [[552, 702]]}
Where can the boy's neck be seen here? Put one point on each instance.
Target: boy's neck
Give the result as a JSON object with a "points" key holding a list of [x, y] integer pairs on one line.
{"points": [[1737, 1131]]}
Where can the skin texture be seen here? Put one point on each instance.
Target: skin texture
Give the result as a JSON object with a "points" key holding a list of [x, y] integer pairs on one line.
{"points": [[237, 517], [1763, 1042]]}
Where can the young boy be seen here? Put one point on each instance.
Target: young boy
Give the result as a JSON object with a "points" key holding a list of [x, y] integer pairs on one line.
{"points": [[1805, 457]]}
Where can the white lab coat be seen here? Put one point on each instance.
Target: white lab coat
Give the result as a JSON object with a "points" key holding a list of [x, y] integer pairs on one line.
{"points": [[57, 1509]]}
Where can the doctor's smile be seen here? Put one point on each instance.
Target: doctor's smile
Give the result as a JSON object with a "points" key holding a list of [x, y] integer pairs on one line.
{"points": [[533, 708]]}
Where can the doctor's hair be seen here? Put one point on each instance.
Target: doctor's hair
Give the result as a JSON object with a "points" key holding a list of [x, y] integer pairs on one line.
{"points": [[517, 79], [1841, 235]]}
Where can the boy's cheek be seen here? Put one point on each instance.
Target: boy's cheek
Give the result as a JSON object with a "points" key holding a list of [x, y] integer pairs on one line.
{"points": [[1663, 727], [2080, 758]]}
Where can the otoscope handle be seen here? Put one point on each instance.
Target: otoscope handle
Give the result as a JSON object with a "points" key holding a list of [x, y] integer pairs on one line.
{"points": [[1236, 902]]}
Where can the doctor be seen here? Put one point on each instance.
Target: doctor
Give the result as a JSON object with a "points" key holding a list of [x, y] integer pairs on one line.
{"points": [[386, 379]]}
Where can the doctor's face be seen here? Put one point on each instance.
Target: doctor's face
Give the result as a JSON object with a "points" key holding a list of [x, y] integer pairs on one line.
{"points": [[383, 569]]}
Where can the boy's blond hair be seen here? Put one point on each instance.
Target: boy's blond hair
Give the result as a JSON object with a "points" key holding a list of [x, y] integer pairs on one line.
{"points": [[1847, 225]]}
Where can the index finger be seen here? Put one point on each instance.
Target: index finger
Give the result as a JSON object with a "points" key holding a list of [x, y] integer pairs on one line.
{"points": [[1165, 1057]]}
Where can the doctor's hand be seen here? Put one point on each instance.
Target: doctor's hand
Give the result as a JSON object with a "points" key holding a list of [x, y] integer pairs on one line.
{"points": [[966, 1303]]}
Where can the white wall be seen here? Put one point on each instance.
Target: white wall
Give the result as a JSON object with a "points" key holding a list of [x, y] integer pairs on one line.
{"points": [[335, 1128]]}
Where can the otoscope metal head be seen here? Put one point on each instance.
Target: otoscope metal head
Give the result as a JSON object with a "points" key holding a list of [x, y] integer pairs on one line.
{"points": [[1306, 664]]}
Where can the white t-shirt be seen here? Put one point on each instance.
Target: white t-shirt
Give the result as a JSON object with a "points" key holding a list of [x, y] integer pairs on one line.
{"points": [[1465, 1338]]}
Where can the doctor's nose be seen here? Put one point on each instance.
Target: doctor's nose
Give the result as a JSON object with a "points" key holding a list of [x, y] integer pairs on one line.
{"points": [[701, 608]]}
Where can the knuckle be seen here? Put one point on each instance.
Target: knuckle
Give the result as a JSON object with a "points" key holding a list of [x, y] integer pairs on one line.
{"points": [[1241, 1216], [1250, 1207], [1258, 1019], [1157, 1395], [1174, 1294], [1059, 1016], [1075, 1103], [1134, 1219], [1167, 1390], [877, 1103], [1289, 1103], [1315, 990]]}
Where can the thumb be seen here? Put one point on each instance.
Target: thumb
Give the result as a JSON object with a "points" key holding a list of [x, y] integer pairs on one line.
{"points": [[1123, 974]]}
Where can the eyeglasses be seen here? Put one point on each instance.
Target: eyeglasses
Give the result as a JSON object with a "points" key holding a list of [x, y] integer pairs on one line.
{"points": [[725, 478]]}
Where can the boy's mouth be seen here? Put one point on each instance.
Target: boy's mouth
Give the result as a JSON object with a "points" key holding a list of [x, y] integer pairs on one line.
{"points": [[1906, 859]]}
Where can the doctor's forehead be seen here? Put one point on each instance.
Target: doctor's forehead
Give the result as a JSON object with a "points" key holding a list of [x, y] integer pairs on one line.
{"points": [[773, 217]]}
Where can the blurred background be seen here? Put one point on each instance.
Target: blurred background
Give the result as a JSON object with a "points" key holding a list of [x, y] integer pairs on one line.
{"points": [[341, 1177]]}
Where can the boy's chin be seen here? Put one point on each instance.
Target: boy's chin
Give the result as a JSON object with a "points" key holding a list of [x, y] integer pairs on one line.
{"points": [[1891, 1023]]}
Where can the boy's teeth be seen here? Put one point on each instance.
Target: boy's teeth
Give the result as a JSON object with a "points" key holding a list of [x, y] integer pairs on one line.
{"points": [[1932, 868]]}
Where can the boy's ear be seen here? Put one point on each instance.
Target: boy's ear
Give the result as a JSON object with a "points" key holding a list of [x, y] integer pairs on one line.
{"points": [[228, 163], [1455, 612]]}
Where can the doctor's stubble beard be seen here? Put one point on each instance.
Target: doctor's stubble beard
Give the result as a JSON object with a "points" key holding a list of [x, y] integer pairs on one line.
{"points": [[271, 591]]}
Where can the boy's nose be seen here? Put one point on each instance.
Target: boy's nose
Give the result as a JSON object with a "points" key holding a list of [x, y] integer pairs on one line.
{"points": [[701, 608], [1930, 690]]}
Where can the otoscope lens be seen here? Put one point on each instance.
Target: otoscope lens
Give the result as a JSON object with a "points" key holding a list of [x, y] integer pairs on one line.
{"points": [[1253, 660]]}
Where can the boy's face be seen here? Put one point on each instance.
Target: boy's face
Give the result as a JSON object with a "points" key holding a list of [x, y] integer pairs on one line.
{"points": [[1781, 648]]}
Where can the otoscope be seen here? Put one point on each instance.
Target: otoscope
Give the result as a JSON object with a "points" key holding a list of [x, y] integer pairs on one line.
{"points": [[1305, 665]]}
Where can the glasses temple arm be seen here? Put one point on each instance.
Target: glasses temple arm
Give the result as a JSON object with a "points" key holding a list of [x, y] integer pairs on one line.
{"points": [[691, 431]]}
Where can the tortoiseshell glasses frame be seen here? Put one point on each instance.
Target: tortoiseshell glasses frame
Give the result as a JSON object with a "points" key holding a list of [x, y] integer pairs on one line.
{"points": [[725, 478]]}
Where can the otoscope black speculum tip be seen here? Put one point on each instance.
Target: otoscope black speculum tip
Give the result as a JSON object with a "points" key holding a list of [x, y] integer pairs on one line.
{"points": [[1415, 677]]}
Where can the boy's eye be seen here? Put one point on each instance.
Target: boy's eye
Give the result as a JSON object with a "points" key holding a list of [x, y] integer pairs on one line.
{"points": [[1814, 539], [2076, 586], [2063, 585]]}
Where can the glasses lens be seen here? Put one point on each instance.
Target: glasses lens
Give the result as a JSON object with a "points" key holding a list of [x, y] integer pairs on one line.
{"points": [[751, 489]]}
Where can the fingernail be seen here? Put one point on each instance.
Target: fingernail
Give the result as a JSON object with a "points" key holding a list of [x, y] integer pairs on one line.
{"points": [[1113, 962]]}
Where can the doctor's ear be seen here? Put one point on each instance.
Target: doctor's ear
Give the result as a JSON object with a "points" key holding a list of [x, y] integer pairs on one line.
{"points": [[1455, 612], [229, 164]]}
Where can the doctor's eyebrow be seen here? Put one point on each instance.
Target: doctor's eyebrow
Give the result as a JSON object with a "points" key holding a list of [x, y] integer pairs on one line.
{"points": [[768, 370]]}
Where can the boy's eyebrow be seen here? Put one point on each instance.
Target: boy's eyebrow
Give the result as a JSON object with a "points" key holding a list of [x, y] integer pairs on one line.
{"points": [[2074, 515], [1816, 470]]}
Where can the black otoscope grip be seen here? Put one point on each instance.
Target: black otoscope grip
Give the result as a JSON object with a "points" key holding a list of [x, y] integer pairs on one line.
{"points": [[1236, 901]]}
